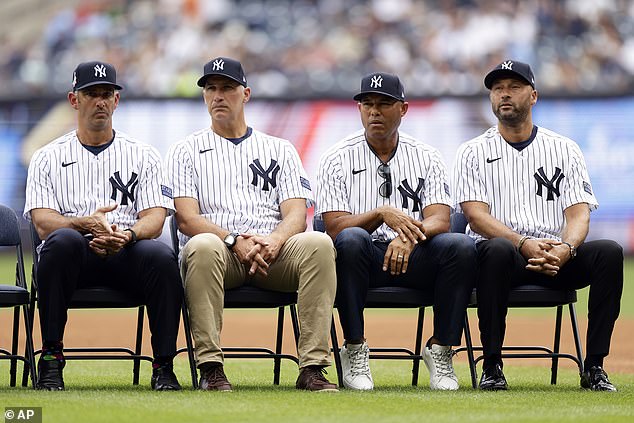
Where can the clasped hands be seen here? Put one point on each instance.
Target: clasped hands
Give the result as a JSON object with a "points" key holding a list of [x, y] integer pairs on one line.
{"points": [[544, 255], [106, 239], [257, 252], [410, 232]]}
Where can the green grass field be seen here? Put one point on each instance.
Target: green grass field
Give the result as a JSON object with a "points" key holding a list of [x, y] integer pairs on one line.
{"points": [[103, 392]]}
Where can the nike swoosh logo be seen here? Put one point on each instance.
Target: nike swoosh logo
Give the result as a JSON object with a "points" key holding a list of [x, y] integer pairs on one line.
{"points": [[354, 171], [204, 151], [67, 164], [493, 160]]}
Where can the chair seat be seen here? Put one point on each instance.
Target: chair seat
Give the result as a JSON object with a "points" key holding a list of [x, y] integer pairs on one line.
{"points": [[12, 295], [530, 295], [252, 297], [398, 297], [103, 297]]}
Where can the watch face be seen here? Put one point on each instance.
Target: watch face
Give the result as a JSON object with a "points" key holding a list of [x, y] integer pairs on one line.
{"points": [[230, 240]]}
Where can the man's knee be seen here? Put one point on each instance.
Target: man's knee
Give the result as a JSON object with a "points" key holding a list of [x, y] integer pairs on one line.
{"points": [[498, 249], [353, 240], [206, 247]]}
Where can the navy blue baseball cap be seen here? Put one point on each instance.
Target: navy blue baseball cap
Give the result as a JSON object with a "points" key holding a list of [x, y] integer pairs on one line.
{"points": [[87, 74], [510, 69], [223, 66], [381, 83]]}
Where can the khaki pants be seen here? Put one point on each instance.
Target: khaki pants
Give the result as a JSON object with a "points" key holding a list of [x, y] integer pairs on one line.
{"points": [[306, 264]]}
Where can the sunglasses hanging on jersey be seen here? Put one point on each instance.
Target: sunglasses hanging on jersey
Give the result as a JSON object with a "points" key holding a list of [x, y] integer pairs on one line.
{"points": [[385, 189]]}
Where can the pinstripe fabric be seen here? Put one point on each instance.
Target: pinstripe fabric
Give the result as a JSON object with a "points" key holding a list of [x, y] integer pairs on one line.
{"points": [[220, 176], [343, 185], [509, 185], [66, 177]]}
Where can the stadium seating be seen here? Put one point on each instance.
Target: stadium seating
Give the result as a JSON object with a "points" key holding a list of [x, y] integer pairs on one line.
{"points": [[528, 296], [16, 296], [251, 297], [106, 297]]}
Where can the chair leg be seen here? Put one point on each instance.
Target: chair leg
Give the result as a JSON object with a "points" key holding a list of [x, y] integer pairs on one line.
{"points": [[14, 346], [418, 346], [30, 356], [553, 369], [278, 346], [30, 314], [295, 323], [137, 349], [335, 352], [469, 342], [575, 333], [190, 346]]}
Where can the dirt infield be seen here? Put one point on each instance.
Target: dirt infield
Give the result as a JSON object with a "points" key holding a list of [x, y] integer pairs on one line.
{"points": [[257, 328]]}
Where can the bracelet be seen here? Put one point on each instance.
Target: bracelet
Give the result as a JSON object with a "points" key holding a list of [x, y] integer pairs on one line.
{"points": [[521, 242], [133, 238]]}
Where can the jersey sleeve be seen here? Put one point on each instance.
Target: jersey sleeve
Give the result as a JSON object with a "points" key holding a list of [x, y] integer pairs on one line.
{"points": [[180, 171], [578, 186], [437, 187], [467, 184], [293, 182], [39, 186], [332, 192], [153, 191]]}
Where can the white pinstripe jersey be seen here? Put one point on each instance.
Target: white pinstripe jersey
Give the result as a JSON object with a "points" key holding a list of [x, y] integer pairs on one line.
{"points": [[238, 187], [348, 179], [527, 190], [66, 177]]}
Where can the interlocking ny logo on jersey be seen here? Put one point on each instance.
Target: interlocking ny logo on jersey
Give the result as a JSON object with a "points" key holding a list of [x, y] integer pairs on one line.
{"points": [[126, 190], [376, 81], [269, 175], [552, 185], [219, 64], [408, 193], [507, 65], [100, 71]]}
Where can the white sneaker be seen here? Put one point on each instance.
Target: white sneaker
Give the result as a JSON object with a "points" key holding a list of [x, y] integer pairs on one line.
{"points": [[355, 361], [441, 374]]}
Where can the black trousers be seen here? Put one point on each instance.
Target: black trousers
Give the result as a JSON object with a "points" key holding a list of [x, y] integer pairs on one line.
{"points": [[148, 270], [598, 264], [445, 265]]}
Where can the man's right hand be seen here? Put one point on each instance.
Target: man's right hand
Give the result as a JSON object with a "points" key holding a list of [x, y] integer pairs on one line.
{"points": [[97, 224], [408, 228]]}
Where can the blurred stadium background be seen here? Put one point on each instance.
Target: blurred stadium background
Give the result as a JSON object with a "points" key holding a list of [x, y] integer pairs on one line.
{"points": [[304, 60]]}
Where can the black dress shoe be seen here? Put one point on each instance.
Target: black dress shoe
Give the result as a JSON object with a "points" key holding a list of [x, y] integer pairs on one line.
{"points": [[493, 379], [164, 379], [49, 372], [596, 379]]}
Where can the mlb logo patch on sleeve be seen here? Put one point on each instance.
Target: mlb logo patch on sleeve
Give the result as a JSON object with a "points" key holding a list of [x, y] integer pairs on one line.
{"points": [[166, 191], [587, 188], [304, 182]]}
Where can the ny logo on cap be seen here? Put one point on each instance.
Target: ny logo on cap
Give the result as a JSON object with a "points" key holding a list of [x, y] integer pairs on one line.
{"points": [[100, 71], [507, 65], [376, 81], [219, 65]]}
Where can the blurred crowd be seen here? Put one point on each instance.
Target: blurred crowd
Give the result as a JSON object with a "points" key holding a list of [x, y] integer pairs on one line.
{"points": [[321, 48]]}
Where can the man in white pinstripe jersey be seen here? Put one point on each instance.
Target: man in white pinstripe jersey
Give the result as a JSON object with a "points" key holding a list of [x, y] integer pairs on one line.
{"points": [[241, 198], [384, 199], [97, 198], [526, 194]]}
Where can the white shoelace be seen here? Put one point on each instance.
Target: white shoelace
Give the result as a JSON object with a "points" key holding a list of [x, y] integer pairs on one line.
{"points": [[442, 360], [359, 361]]}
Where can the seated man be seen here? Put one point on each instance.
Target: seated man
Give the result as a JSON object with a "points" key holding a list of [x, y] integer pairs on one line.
{"points": [[96, 198], [241, 199], [527, 196], [384, 199]]}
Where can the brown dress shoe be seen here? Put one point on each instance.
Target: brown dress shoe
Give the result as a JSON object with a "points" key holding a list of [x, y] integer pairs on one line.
{"points": [[311, 378], [214, 379]]}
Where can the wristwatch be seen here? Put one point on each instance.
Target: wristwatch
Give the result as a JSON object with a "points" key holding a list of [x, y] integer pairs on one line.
{"points": [[573, 249], [132, 235], [231, 239]]}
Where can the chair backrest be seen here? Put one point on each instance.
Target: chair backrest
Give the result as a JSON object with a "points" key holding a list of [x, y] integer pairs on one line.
{"points": [[9, 227]]}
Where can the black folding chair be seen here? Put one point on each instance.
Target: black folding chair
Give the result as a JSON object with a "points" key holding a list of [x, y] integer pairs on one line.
{"points": [[106, 297], [389, 297], [528, 296], [17, 296], [252, 297]]}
